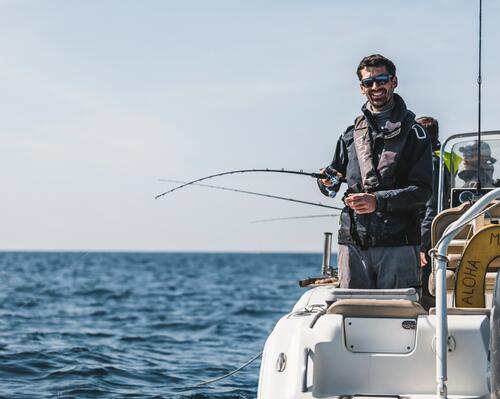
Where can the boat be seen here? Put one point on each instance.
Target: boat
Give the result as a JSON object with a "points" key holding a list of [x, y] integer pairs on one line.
{"points": [[367, 343], [346, 343], [358, 343]]}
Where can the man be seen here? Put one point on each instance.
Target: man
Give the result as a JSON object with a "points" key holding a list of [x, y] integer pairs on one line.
{"points": [[469, 171], [429, 211], [385, 158]]}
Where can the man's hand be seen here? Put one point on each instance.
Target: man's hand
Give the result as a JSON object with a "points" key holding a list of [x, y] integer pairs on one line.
{"points": [[361, 202], [325, 182], [423, 259]]}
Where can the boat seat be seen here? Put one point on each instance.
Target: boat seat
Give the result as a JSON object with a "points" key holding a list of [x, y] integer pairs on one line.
{"points": [[409, 294], [389, 308], [450, 282], [464, 311]]}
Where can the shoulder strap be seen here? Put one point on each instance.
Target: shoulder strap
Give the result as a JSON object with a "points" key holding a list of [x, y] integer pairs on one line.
{"points": [[362, 144]]}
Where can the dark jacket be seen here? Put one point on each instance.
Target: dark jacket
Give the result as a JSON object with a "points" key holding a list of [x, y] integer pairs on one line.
{"points": [[404, 176]]}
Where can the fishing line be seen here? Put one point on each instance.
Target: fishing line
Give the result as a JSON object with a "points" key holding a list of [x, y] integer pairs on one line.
{"points": [[295, 217], [194, 183], [79, 259], [292, 172], [225, 375]]}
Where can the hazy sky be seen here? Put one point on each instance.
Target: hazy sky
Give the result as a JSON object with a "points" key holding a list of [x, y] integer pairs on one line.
{"points": [[101, 98]]}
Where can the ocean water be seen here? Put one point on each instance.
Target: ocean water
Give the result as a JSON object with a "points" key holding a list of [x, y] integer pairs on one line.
{"points": [[140, 325]]}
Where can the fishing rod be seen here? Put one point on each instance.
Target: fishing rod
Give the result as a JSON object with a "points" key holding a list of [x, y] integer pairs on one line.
{"points": [[295, 217], [247, 192], [267, 170]]}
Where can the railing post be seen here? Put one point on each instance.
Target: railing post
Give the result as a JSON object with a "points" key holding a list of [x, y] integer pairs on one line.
{"points": [[441, 305], [327, 254]]}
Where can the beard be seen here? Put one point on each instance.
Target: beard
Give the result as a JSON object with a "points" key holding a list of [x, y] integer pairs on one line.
{"points": [[379, 101]]}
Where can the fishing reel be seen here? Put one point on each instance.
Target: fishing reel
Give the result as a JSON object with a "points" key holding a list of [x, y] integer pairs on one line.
{"points": [[336, 180]]}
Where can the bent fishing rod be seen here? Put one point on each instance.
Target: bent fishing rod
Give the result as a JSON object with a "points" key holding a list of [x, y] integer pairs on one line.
{"points": [[183, 184], [231, 172], [295, 218]]}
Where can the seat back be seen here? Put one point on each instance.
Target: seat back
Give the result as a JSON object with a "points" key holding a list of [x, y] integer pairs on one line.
{"points": [[409, 294], [377, 308]]}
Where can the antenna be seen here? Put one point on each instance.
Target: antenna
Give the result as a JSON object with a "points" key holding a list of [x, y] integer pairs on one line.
{"points": [[478, 186]]}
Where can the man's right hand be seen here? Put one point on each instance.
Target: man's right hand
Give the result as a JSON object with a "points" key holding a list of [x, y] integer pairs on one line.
{"points": [[325, 182], [330, 185]]}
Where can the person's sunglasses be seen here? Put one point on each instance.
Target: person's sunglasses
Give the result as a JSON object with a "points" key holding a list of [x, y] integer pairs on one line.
{"points": [[380, 79]]}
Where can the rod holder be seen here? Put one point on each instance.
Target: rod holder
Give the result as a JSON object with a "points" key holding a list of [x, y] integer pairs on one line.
{"points": [[327, 255]]}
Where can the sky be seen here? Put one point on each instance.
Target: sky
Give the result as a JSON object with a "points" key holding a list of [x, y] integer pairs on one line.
{"points": [[99, 100]]}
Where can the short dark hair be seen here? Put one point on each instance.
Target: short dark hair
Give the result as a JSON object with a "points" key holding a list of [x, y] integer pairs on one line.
{"points": [[431, 125], [376, 60]]}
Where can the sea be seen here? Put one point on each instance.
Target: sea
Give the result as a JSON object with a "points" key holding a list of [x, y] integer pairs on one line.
{"points": [[141, 325]]}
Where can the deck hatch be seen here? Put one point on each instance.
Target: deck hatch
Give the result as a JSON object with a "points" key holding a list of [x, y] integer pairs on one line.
{"points": [[375, 335]]}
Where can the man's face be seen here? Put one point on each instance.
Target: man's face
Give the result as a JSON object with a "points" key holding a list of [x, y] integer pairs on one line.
{"points": [[378, 94], [470, 162]]}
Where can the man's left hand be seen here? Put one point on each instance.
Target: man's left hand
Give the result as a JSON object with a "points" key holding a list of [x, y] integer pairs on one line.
{"points": [[423, 259], [361, 202]]}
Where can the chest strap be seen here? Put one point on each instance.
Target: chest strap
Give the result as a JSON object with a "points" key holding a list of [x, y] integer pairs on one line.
{"points": [[364, 151]]}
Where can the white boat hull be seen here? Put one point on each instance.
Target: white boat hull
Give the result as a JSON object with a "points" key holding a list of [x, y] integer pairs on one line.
{"points": [[372, 356]]}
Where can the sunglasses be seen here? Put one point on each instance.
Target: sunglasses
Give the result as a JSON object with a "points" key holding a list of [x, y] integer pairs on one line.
{"points": [[380, 80]]}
